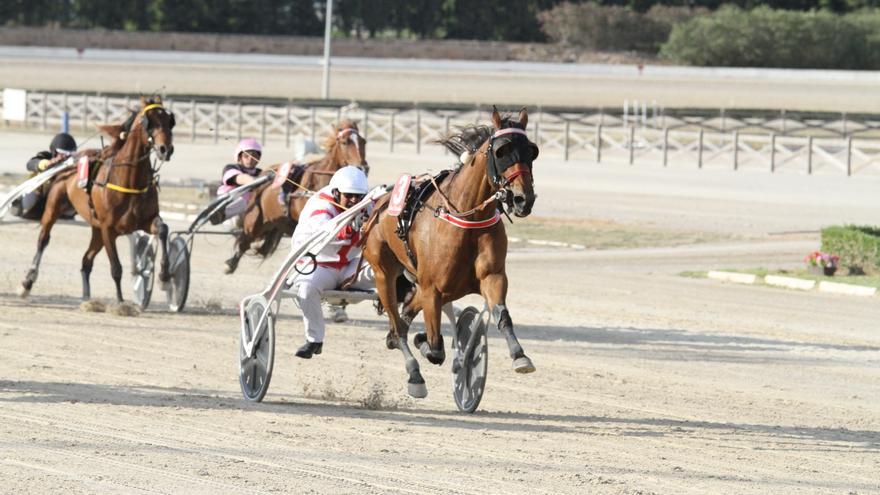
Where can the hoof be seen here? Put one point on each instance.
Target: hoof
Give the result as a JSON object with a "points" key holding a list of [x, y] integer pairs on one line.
{"points": [[523, 365], [417, 390], [23, 292], [391, 341], [229, 267]]}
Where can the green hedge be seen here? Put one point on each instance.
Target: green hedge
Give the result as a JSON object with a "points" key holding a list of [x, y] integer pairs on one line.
{"points": [[857, 246], [613, 27], [764, 37]]}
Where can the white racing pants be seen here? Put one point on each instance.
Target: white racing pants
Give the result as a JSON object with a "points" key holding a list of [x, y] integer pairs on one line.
{"points": [[310, 288]]}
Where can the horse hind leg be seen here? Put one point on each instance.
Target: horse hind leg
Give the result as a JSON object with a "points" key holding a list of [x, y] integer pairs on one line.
{"points": [[50, 216], [399, 328], [88, 260], [159, 228], [430, 344], [242, 244], [115, 266]]}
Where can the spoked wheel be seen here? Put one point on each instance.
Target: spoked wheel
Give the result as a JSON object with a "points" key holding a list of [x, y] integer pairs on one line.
{"points": [[255, 370], [470, 362], [143, 260], [178, 267]]}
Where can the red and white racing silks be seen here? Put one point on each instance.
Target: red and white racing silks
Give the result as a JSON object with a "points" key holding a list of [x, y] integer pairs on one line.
{"points": [[320, 209]]}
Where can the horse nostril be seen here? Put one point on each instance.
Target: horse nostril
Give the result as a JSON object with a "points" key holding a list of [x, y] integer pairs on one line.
{"points": [[519, 200]]}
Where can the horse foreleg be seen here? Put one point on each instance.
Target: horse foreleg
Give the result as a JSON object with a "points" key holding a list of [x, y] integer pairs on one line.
{"points": [[430, 344], [50, 216], [397, 336], [88, 261], [160, 229], [494, 290], [242, 244], [109, 239]]}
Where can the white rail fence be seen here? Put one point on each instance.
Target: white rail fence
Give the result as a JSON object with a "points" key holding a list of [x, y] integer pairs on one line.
{"points": [[597, 137]]}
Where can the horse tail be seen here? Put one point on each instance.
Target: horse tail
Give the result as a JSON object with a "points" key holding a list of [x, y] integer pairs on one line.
{"points": [[270, 243]]}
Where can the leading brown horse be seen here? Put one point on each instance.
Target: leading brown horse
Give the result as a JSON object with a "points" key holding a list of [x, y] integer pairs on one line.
{"points": [[268, 218], [457, 244], [121, 198]]}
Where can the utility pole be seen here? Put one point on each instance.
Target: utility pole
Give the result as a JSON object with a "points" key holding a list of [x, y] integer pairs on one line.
{"points": [[325, 92]]}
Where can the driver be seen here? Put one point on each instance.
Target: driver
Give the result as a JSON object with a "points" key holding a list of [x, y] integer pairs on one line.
{"points": [[244, 171], [338, 261], [31, 205]]}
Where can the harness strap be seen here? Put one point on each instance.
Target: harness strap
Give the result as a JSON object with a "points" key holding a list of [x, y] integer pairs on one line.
{"points": [[114, 187], [469, 224]]}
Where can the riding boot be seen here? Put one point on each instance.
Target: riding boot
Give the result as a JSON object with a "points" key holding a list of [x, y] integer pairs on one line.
{"points": [[308, 349]]}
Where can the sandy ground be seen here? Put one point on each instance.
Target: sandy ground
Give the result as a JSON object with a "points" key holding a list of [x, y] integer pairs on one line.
{"points": [[464, 86], [647, 382]]}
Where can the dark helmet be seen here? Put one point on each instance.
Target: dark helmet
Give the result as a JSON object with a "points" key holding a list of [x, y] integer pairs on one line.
{"points": [[63, 142]]}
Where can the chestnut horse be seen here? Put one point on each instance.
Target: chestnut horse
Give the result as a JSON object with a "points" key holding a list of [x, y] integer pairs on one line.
{"points": [[269, 218], [457, 244], [122, 196]]}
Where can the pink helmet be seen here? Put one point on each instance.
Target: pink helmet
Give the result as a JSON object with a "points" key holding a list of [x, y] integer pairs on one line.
{"points": [[247, 144]]}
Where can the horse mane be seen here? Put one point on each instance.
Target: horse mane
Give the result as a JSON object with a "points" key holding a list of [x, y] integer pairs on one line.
{"points": [[115, 131], [470, 138], [330, 139]]}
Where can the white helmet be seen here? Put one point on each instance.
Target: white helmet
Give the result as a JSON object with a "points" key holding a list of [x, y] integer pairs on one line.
{"points": [[350, 180]]}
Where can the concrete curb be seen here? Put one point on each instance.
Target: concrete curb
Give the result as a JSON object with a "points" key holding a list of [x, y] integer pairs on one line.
{"points": [[847, 289], [795, 283], [789, 282], [739, 278]]}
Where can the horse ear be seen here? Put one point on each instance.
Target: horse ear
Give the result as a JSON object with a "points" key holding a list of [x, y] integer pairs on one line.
{"points": [[112, 130], [143, 101], [496, 118], [524, 117]]}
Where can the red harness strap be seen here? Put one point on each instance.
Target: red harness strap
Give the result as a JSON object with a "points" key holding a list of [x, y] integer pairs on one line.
{"points": [[468, 224]]}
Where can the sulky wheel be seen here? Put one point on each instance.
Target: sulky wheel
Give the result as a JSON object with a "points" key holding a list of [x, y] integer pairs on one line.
{"points": [[470, 361], [178, 267], [255, 369], [143, 261]]}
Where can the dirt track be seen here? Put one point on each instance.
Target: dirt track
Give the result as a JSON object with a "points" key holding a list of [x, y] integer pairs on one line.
{"points": [[647, 382]]}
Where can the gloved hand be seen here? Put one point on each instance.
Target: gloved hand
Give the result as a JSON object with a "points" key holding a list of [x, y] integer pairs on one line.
{"points": [[43, 164], [271, 175]]}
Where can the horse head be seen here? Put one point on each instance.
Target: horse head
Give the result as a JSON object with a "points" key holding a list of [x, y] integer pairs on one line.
{"points": [[509, 158], [156, 123], [345, 146]]}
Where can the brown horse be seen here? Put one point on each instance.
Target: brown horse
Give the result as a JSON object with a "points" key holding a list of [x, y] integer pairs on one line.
{"points": [[122, 197], [465, 254], [269, 218]]}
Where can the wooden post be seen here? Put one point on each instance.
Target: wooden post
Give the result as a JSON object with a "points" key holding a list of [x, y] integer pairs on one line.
{"points": [[772, 152], [665, 145], [263, 124], [85, 112], [599, 143], [700, 150], [313, 123], [45, 110], [809, 155], [565, 140], [391, 132], [446, 133], [632, 144], [195, 118], [735, 150], [366, 124], [418, 131], [216, 121], [239, 121], [287, 126], [848, 156]]}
